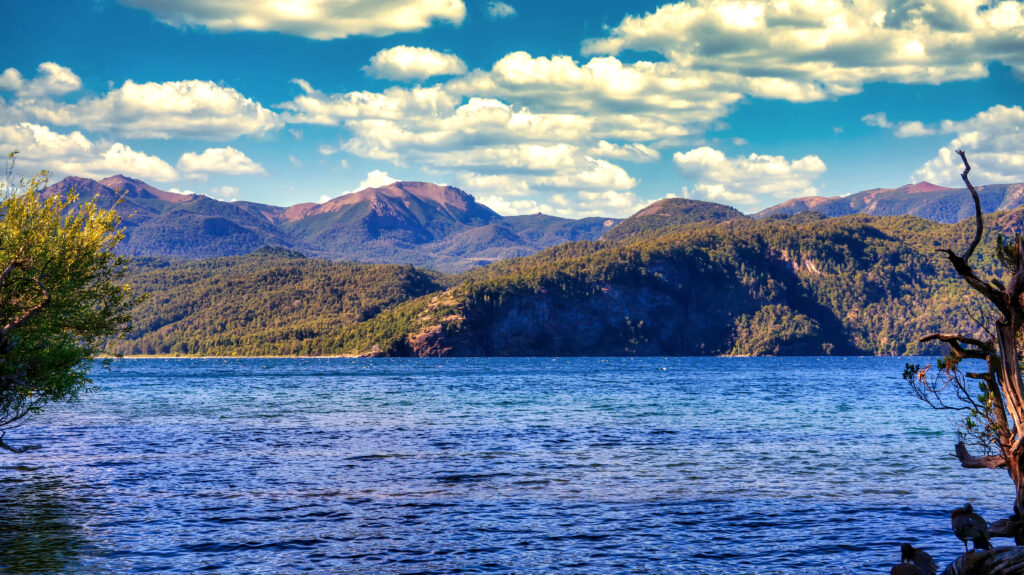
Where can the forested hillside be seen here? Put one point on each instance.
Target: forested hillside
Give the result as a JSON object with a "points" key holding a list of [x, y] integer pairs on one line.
{"points": [[852, 285], [799, 285], [273, 301]]}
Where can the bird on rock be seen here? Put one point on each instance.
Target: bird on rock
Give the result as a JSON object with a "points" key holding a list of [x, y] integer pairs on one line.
{"points": [[917, 557], [969, 525]]}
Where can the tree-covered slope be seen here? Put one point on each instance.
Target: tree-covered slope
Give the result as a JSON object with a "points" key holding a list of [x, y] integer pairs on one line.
{"points": [[272, 302], [845, 285], [671, 212]]}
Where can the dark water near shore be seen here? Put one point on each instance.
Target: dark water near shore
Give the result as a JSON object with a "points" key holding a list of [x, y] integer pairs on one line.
{"points": [[680, 465]]}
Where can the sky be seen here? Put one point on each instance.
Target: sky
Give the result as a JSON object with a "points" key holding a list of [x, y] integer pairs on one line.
{"points": [[567, 107]]}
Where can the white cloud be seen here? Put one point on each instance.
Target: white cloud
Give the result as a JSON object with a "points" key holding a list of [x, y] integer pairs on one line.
{"points": [[877, 120], [315, 19], [225, 160], [595, 173], [913, 129], [52, 80], [803, 50], [749, 181], [630, 152], [229, 193], [413, 63], [189, 108], [500, 10], [994, 142], [494, 184], [902, 129], [608, 203], [518, 206], [315, 107], [74, 154], [375, 179]]}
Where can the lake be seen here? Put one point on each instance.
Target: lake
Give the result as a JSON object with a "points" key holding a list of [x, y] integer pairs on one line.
{"points": [[540, 465]]}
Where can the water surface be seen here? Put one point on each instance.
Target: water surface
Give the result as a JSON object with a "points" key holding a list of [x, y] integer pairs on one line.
{"points": [[663, 465]]}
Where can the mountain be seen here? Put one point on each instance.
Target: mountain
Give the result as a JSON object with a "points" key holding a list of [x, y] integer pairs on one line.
{"points": [[271, 301], [807, 286], [924, 200], [417, 223], [668, 213], [159, 223]]}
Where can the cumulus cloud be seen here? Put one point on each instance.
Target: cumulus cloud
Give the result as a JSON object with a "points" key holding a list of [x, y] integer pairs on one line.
{"points": [[877, 120], [189, 108], [595, 173], [413, 63], [316, 107], [225, 160], [500, 10], [315, 19], [913, 129], [748, 181], [494, 184], [518, 206], [630, 152], [484, 140], [994, 141], [582, 204], [804, 50], [661, 95], [74, 154], [229, 193], [52, 80], [375, 179], [901, 129]]}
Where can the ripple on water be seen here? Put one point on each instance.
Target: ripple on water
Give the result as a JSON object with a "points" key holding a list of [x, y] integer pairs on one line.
{"points": [[536, 465]]}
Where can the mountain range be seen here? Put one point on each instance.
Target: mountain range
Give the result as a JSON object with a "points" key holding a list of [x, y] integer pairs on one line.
{"points": [[419, 223], [445, 228], [680, 277], [924, 199]]}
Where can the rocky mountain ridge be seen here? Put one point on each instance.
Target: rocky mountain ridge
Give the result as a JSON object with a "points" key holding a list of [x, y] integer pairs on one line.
{"points": [[445, 228]]}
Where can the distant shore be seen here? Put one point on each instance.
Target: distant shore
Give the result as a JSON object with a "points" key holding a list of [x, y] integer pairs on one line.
{"points": [[232, 357]]}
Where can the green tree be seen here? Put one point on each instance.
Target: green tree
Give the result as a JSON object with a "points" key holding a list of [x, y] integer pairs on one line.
{"points": [[62, 295]]}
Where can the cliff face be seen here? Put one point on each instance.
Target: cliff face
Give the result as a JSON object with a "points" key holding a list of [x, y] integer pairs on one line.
{"points": [[670, 308]]}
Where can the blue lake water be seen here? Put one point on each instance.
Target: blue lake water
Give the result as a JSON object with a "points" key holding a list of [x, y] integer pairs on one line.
{"points": [[649, 465]]}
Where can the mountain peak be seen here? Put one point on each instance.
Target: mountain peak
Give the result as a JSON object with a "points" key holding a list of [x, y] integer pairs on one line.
{"points": [[922, 187], [448, 198], [140, 189], [671, 212]]}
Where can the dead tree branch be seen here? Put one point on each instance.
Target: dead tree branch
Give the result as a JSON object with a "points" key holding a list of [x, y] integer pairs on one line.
{"points": [[978, 461], [977, 205]]}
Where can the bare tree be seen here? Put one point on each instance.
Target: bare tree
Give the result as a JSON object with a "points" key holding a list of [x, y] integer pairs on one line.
{"points": [[991, 400]]}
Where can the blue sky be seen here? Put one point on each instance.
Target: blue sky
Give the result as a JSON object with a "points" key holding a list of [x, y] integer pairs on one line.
{"points": [[570, 108]]}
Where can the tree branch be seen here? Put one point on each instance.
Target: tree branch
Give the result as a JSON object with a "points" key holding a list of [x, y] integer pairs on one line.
{"points": [[977, 205], [12, 449], [955, 341], [978, 462], [31, 311], [16, 262]]}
